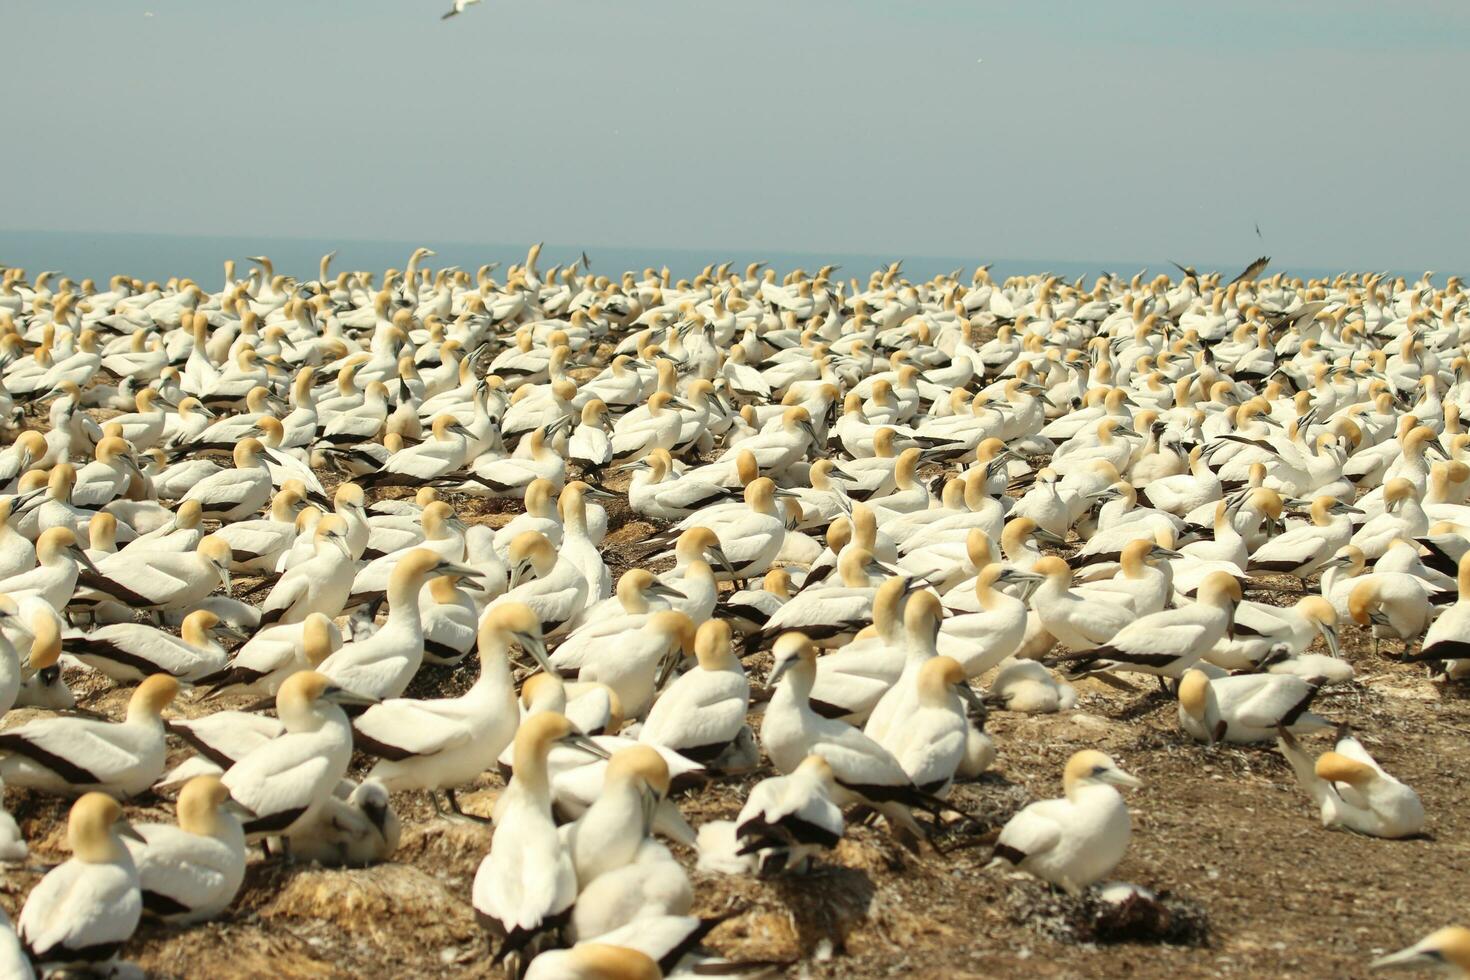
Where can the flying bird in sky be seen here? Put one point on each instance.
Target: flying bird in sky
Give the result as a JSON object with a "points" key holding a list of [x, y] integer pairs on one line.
{"points": [[458, 8]]}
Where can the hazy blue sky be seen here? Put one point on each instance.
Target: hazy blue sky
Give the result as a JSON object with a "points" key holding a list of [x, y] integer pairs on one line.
{"points": [[1130, 130]]}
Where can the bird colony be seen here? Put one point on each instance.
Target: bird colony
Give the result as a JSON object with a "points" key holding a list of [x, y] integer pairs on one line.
{"points": [[568, 555]]}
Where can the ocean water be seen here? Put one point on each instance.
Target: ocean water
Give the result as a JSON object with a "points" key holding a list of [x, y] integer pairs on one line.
{"points": [[201, 257]]}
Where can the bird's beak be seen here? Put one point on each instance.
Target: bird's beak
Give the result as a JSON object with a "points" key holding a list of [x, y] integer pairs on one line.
{"points": [[231, 633], [81, 556], [517, 573], [667, 665], [126, 829], [971, 698], [342, 696], [1329, 634], [454, 568], [663, 591], [777, 671], [237, 809], [224, 576], [536, 647], [1411, 957], [649, 801], [23, 501], [1120, 778], [579, 741], [722, 560]]}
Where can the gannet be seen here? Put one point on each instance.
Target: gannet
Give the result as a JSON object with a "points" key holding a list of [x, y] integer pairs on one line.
{"points": [[787, 820], [524, 888], [652, 884], [864, 770], [921, 617], [1353, 791], [930, 741], [275, 653], [1168, 642], [1028, 687], [608, 834], [382, 665], [1446, 639], [1393, 605], [1259, 629], [191, 872], [639, 595], [1246, 708], [164, 580], [831, 612], [45, 648], [355, 831], [258, 545], [221, 739], [87, 907], [553, 587], [1304, 549], [14, 962], [541, 514], [1079, 623], [632, 663], [702, 712], [751, 537], [441, 744], [655, 490], [128, 652], [60, 562], [237, 492], [321, 583], [450, 617], [285, 781], [68, 756], [1077, 840]]}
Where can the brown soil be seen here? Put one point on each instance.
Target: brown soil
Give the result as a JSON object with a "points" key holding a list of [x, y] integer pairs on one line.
{"points": [[1224, 833]]}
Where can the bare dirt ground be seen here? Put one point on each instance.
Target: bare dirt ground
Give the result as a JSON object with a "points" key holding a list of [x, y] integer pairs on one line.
{"points": [[1256, 885]]}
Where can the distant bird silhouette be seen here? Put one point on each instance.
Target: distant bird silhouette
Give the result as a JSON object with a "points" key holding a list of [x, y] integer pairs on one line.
{"points": [[458, 8]]}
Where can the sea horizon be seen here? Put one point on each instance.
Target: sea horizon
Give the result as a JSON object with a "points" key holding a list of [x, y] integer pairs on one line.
{"points": [[158, 256]]}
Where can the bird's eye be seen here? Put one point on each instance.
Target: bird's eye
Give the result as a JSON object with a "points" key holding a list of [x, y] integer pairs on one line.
{"points": [[1099, 770]]}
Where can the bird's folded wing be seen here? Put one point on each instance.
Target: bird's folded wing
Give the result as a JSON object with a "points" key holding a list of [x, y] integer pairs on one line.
{"points": [[279, 777], [403, 728], [1030, 832], [83, 743]]}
